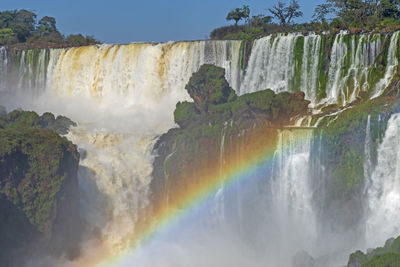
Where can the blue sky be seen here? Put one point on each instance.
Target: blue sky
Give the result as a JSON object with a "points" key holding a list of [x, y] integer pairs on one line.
{"points": [[124, 21]]}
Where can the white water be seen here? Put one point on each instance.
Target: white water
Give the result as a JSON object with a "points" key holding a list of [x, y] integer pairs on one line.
{"points": [[270, 64], [122, 97], [384, 192], [367, 153], [274, 59], [391, 67], [3, 67], [292, 206]]}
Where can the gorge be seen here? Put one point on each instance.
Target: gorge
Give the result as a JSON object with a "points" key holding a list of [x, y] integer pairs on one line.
{"points": [[302, 174]]}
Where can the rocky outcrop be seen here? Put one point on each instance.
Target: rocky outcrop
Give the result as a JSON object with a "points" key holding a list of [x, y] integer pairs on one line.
{"points": [[38, 188], [389, 255], [217, 125]]}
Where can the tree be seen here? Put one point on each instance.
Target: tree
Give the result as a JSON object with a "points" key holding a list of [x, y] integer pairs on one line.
{"points": [[239, 14], [246, 13], [22, 23], [260, 20], [7, 36], [46, 26], [361, 13], [79, 39], [389, 9], [321, 11], [285, 13], [235, 14], [6, 17]]}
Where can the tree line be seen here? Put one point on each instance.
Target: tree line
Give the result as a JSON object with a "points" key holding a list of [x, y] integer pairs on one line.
{"points": [[22, 26], [342, 14]]}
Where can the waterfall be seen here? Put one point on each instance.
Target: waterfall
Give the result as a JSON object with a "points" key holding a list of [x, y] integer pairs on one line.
{"points": [[3, 68], [122, 97], [327, 70], [219, 209], [312, 46], [291, 203], [391, 66], [32, 71], [139, 72], [271, 64], [294, 62], [384, 191], [367, 152]]}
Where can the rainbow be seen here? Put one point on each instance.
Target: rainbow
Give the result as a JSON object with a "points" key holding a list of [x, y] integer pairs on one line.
{"points": [[186, 202]]}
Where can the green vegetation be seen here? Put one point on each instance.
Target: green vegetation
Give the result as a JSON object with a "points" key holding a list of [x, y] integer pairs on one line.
{"points": [[20, 120], [389, 255], [343, 142], [238, 14], [362, 14], [33, 163], [285, 13], [247, 124], [215, 101], [21, 26], [355, 15]]}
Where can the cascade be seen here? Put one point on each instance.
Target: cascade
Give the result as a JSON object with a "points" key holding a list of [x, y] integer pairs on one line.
{"points": [[384, 190], [392, 62], [294, 62], [367, 152], [271, 63], [3, 67], [139, 72], [291, 196], [219, 196], [122, 97], [32, 70]]}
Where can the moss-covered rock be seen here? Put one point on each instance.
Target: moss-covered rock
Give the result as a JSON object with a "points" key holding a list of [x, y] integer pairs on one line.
{"points": [[19, 119], [389, 255], [208, 86], [215, 102], [38, 189], [185, 113], [219, 124]]}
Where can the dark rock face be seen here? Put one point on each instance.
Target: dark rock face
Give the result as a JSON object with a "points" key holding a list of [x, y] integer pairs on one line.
{"points": [[39, 198]]}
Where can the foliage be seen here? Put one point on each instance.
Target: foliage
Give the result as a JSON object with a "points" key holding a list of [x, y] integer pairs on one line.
{"points": [[7, 36], [365, 13], [321, 11], [21, 26], [31, 164], [185, 113], [260, 20], [343, 141], [215, 101], [208, 86], [239, 14], [46, 26], [19, 119], [285, 13], [354, 15], [389, 255], [79, 39]]}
